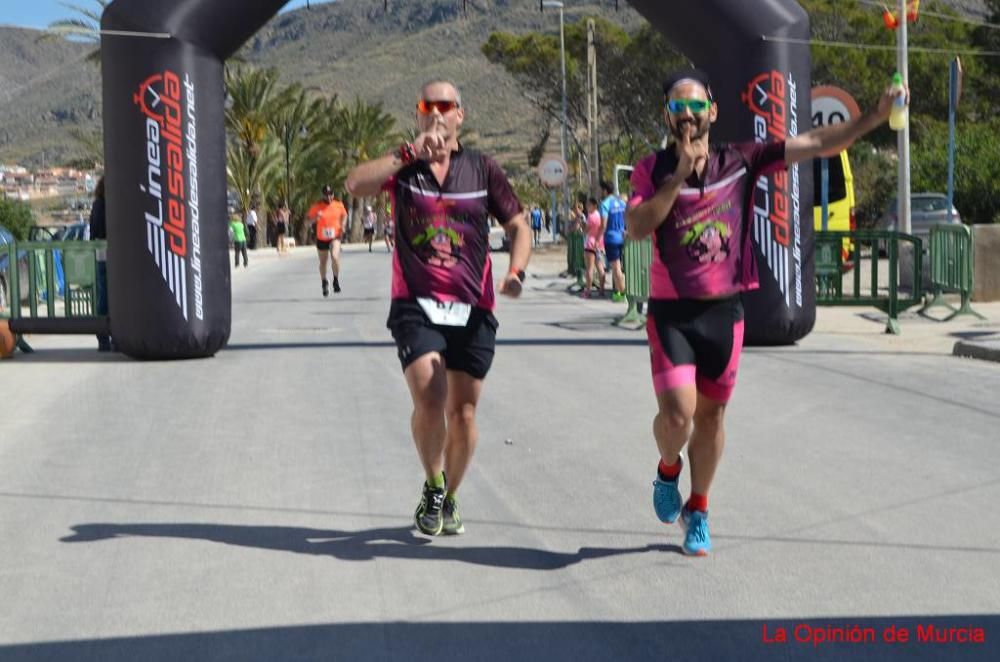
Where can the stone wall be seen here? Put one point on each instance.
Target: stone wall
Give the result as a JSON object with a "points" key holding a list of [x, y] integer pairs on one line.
{"points": [[986, 257]]}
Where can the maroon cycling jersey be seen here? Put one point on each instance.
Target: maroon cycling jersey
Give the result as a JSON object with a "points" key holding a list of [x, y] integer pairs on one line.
{"points": [[703, 248], [442, 232]]}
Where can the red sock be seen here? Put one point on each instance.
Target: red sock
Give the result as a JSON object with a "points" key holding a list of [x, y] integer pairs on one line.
{"points": [[670, 471], [698, 502]]}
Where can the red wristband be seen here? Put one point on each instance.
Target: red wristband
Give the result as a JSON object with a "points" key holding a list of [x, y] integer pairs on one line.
{"points": [[407, 153]]}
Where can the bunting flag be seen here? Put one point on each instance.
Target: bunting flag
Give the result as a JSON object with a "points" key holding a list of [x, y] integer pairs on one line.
{"points": [[891, 21]]}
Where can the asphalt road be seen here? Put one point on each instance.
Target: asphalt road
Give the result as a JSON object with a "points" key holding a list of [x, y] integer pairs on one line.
{"points": [[258, 505]]}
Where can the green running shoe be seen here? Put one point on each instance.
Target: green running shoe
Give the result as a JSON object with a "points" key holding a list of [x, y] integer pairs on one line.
{"points": [[428, 516], [452, 520]]}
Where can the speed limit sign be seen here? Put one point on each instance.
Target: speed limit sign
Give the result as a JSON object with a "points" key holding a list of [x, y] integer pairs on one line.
{"points": [[832, 105], [552, 171]]}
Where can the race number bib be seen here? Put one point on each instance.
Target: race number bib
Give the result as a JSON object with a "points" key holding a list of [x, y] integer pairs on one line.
{"points": [[329, 234], [446, 313]]}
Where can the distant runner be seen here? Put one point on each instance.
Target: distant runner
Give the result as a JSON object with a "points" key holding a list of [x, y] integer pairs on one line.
{"points": [[329, 215]]}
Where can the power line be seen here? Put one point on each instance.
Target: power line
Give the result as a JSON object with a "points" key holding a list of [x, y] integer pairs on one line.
{"points": [[128, 33], [91, 33], [877, 47]]}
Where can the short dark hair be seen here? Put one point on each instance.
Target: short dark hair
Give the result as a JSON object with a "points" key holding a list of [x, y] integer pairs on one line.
{"points": [[606, 187], [327, 190], [681, 75], [593, 201]]}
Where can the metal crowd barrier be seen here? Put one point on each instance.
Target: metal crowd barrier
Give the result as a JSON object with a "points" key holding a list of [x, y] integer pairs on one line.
{"points": [[637, 259], [575, 265], [831, 266], [952, 268], [58, 292]]}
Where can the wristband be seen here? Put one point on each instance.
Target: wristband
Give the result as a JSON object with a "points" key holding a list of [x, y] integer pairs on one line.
{"points": [[407, 153], [517, 272]]}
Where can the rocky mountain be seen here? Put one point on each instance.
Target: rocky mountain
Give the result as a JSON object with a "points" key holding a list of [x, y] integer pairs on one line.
{"points": [[349, 48]]}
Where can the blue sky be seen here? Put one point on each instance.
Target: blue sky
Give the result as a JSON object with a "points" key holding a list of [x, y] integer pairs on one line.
{"points": [[39, 13]]}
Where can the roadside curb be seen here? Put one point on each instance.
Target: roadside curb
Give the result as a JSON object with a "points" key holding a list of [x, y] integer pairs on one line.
{"points": [[985, 350]]}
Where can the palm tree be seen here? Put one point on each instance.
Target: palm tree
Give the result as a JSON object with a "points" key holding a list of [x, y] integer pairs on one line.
{"points": [[251, 173], [296, 121], [253, 154], [86, 28], [362, 132], [250, 98]]}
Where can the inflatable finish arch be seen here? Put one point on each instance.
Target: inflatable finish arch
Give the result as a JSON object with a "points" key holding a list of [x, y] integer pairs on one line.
{"points": [[169, 283]]}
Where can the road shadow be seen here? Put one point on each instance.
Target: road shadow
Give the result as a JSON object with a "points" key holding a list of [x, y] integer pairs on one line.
{"points": [[986, 334], [364, 545], [70, 355], [501, 342], [746, 640], [316, 299]]}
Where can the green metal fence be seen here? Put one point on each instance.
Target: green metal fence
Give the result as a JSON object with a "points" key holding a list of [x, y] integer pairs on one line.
{"points": [[637, 259], [832, 269], [574, 257], [952, 268], [53, 288]]}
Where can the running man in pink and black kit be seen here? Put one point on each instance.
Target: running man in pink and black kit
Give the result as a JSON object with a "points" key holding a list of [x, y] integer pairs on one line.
{"points": [[694, 198], [441, 315]]}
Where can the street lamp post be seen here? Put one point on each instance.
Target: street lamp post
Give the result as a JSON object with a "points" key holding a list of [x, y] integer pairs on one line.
{"points": [[288, 165], [556, 4], [289, 137]]}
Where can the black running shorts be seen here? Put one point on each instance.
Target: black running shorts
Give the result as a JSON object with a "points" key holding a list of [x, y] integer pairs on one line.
{"points": [[468, 349]]}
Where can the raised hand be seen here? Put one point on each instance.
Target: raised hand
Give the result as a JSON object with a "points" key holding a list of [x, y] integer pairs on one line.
{"points": [[692, 155], [431, 146]]}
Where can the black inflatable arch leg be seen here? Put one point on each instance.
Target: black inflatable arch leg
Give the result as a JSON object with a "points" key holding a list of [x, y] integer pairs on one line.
{"points": [[168, 277], [763, 91]]}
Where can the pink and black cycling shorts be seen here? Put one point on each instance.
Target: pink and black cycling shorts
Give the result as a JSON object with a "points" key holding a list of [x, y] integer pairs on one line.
{"points": [[697, 342]]}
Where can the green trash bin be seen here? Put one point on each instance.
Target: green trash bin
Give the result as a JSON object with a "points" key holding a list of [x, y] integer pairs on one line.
{"points": [[574, 257], [637, 259]]}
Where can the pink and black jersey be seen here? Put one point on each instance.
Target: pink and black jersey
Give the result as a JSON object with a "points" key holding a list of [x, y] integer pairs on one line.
{"points": [[442, 232], [703, 248]]}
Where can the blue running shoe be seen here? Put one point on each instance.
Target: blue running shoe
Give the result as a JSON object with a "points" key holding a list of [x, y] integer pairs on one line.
{"points": [[697, 541], [666, 499]]}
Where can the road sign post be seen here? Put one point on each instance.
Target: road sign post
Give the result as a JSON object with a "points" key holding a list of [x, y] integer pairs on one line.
{"points": [[830, 105]]}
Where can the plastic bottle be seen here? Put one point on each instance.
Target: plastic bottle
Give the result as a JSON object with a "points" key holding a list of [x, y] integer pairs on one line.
{"points": [[898, 113]]}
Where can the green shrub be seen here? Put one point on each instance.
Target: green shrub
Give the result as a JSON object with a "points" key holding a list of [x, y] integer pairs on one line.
{"points": [[17, 217]]}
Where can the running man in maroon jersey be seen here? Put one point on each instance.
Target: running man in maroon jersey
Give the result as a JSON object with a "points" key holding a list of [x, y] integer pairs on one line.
{"points": [[441, 315]]}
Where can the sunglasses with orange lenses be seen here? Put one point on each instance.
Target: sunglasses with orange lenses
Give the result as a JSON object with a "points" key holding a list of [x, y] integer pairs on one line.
{"points": [[426, 107]]}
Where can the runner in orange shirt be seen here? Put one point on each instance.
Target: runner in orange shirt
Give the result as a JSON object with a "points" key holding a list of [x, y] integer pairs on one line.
{"points": [[329, 215]]}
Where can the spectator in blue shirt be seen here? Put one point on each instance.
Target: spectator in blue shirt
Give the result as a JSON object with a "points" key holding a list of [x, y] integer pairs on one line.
{"points": [[613, 216], [536, 224]]}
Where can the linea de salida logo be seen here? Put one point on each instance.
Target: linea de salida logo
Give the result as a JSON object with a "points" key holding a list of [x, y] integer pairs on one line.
{"points": [[773, 100], [170, 185]]}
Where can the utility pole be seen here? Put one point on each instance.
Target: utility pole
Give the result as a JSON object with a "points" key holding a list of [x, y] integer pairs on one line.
{"points": [[903, 139], [595, 160], [557, 4]]}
